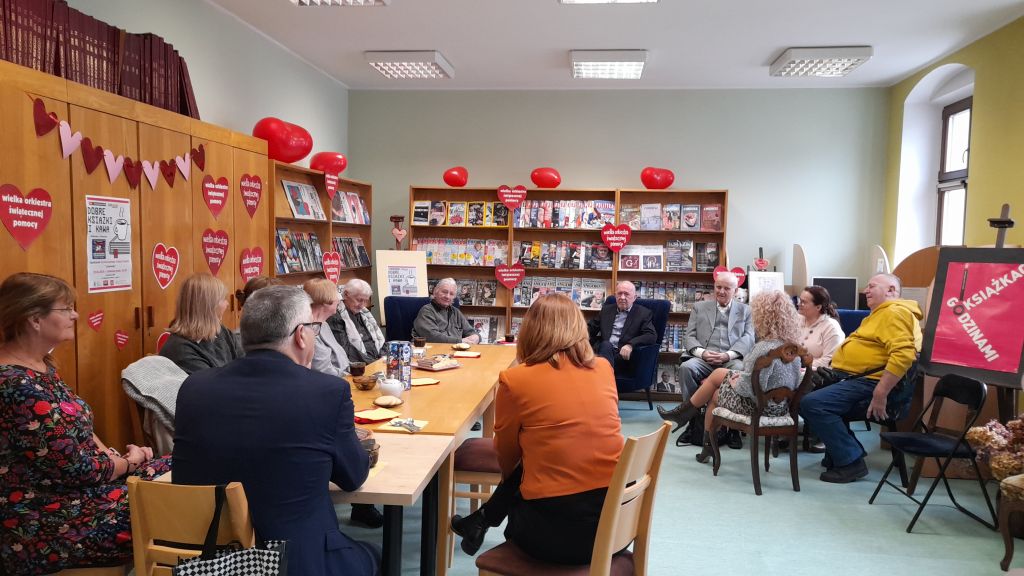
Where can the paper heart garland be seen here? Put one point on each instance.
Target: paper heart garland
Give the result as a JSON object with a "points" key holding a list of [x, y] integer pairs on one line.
{"points": [[215, 194], [740, 274], [250, 263], [168, 171], [512, 197], [91, 155], [251, 188], [45, 122], [96, 320], [331, 181], [120, 339], [68, 142], [615, 237], [199, 156], [165, 264], [332, 266], [510, 276], [215, 248], [114, 165], [152, 172], [25, 216], [399, 234], [132, 172], [184, 165]]}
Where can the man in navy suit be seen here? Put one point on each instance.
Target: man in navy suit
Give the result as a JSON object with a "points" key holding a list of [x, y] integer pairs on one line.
{"points": [[621, 327], [282, 430]]}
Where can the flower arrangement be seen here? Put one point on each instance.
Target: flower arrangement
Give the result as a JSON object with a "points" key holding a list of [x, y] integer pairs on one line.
{"points": [[1002, 447]]}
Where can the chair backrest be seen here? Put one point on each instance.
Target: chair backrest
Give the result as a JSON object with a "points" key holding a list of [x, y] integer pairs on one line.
{"points": [[626, 515], [659, 310], [400, 312], [960, 389], [785, 353], [164, 515], [850, 320]]}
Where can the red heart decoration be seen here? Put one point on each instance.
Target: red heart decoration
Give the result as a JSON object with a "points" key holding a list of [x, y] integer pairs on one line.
{"points": [[96, 320], [250, 263], [510, 276], [91, 155], [120, 339], [286, 142], [25, 217], [161, 340], [456, 177], [761, 264], [332, 266], [215, 248], [199, 157], [740, 274], [251, 188], [615, 237], [168, 171], [399, 234], [165, 264], [44, 122], [512, 197], [656, 178], [546, 178], [215, 194], [132, 172], [329, 162], [331, 183]]}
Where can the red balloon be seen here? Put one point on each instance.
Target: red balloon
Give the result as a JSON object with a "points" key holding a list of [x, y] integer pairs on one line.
{"points": [[546, 177], [656, 178], [456, 177], [286, 142], [329, 162]]}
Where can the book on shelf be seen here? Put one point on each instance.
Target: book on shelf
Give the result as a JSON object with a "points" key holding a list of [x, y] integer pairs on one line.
{"points": [[650, 216], [711, 218], [706, 256], [500, 217], [475, 213], [340, 210], [665, 379], [456, 214], [679, 256], [486, 292], [671, 215], [460, 251], [356, 207], [421, 212], [690, 217], [652, 258], [488, 213], [438, 213], [466, 292], [629, 214]]}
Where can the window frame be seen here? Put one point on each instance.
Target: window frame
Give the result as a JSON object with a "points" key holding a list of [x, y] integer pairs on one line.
{"points": [[943, 189], [947, 112]]}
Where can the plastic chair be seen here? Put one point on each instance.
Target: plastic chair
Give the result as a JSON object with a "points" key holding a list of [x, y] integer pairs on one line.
{"points": [[932, 442], [170, 521], [756, 425], [400, 312], [849, 320], [625, 519], [643, 363]]}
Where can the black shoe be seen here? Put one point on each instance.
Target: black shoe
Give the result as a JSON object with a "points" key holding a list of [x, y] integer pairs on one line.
{"points": [[367, 515], [735, 441], [846, 474], [707, 452], [472, 528], [826, 462], [476, 427], [679, 415], [686, 438]]}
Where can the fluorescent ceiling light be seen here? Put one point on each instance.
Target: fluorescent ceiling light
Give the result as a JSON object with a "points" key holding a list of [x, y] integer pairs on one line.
{"points": [[608, 1], [341, 2], [825, 62], [614, 64], [411, 65]]}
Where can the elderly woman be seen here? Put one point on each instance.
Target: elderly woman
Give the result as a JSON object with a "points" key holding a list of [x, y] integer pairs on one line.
{"points": [[440, 321], [354, 326], [328, 356], [198, 340], [552, 490], [820, 332], [775, 323], [63, 497]]}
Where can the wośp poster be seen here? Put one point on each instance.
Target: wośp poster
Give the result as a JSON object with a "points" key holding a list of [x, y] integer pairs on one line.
{"points": [[108, 242], [402, 281]]}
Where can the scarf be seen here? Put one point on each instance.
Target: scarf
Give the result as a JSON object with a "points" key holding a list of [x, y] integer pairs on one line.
{"points": [[352, 333]]}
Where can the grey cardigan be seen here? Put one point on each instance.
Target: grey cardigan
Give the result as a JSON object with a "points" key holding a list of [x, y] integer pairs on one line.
{"points": [[328, 356], [775, 375]]}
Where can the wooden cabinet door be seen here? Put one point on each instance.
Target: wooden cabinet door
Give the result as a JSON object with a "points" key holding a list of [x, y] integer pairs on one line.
{"points": [[166, 225], [29, 162], [213, 198], [109, 326], [252, 206]]}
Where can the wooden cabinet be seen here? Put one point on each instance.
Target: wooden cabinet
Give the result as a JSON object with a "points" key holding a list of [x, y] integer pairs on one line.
{"points": [[254, 252]]}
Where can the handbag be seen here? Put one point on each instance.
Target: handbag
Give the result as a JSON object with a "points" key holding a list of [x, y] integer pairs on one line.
{"points": [[268, 560]]}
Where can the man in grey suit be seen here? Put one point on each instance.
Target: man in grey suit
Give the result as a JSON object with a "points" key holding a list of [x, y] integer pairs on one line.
{"points": [[717, 335]]}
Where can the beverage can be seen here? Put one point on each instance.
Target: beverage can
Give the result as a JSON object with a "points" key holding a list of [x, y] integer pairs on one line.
{"points": [[399, 361]]}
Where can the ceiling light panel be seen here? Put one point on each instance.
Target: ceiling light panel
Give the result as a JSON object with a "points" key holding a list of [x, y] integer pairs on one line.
{"points": [[341, 2], [823, 62], [608, 64], [608, 1], [420, 64]]}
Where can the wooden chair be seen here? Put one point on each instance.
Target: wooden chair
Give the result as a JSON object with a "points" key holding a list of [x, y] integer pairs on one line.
{"points": [[476, 465], [756, 425], [98, 571], [1011, 501], [166, 516], [625, 519]]}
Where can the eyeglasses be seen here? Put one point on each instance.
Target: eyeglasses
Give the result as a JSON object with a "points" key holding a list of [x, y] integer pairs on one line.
{"points": [[69, 310], [313, 327]]}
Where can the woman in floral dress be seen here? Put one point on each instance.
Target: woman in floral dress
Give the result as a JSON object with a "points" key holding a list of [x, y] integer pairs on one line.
{"points": [[63, 499]]}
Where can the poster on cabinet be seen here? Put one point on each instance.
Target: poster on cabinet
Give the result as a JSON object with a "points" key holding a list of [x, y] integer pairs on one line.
{"points": [[108, 243]]}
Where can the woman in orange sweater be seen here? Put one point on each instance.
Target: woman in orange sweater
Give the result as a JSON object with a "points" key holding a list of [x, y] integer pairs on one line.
{"points": [[558, 437]]}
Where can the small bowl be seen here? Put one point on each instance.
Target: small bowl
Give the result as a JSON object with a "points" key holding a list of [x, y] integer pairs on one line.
{"points": [[364, 382], [391, 387]]}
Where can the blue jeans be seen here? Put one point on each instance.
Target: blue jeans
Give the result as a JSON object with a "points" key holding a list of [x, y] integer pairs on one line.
{"points": [[823, 410]]}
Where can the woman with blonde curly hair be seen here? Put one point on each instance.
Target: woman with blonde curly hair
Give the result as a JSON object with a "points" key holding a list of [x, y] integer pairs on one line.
{"points": [[776, 322]]}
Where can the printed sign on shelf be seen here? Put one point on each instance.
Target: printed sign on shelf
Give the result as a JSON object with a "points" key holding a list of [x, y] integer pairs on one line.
{"points": [[512, 197], [25, 216], [331, 181], [616, 237], [510, 276], [108, 243]]}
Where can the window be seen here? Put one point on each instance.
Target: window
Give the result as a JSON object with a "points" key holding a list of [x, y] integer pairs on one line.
{"points": [[953, 162]]}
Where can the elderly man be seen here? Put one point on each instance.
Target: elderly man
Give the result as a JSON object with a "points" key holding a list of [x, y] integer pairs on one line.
{"points": [[718, 335], [621, 327], [440, 321], [282, 430], [354, 326], [882, 350]]}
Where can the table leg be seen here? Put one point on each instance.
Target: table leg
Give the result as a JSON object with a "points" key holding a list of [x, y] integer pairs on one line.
{"points": [[428, 543], [445, 476], [391, 564], [488, 428], [1006, 405]]}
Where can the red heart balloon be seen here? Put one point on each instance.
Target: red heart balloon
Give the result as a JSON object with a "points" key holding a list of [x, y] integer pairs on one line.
{"points": [[546, 177], [656, 178], [286, 142], [329, 162], [456, 177]]}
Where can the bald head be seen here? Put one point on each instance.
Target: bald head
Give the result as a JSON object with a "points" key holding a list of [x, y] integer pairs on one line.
{"points": [[625, 295], [881, 288]]}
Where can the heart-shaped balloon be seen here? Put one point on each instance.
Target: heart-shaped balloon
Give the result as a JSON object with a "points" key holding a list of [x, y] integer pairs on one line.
{"points": [[656, 178], [510, 276], [329, 162], [546, 177], [399, 234], [456, 177], [615, 237], [286, 142]]}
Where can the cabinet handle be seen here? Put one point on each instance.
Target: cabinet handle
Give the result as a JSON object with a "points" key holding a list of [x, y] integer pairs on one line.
{"points": [[149, 316], [138, 318]]}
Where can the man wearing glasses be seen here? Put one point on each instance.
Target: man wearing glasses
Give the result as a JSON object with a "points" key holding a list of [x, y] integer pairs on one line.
{"points": [[282, 430]]}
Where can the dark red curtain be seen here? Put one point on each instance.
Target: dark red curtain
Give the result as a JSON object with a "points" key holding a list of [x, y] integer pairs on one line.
{"points": [[51, 37]]}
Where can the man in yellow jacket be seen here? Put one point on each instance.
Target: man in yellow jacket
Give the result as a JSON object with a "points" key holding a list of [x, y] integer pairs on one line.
{"points": [[889, 336]]}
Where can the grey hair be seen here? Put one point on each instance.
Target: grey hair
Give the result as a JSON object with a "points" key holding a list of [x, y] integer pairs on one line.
{"points": [[893, 280], [444, 281], [728, 277], [271, 314], [356, 287]]}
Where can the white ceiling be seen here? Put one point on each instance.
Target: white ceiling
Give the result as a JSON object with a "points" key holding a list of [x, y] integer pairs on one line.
{"points": [[525, 44]]}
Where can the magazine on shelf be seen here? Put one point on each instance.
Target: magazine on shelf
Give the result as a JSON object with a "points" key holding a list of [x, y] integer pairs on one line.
{"points": [[365, 210], [629, 215], [438, 212], [456, 214], [500, 217], [665, 380], [364, 256], [475, 250], [629, 257], [599, 256], [711, 218], [356, 206], [297, 200], [650, 216], [467, 292], [488, 213], [420, 212], [679, 256], [486, 292], [690, 217], [482, 324], [475, 213], [706, 256], [309, 191], [340, 211], [606, 208], [652, 258], [592, 293], [670, 216]]}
